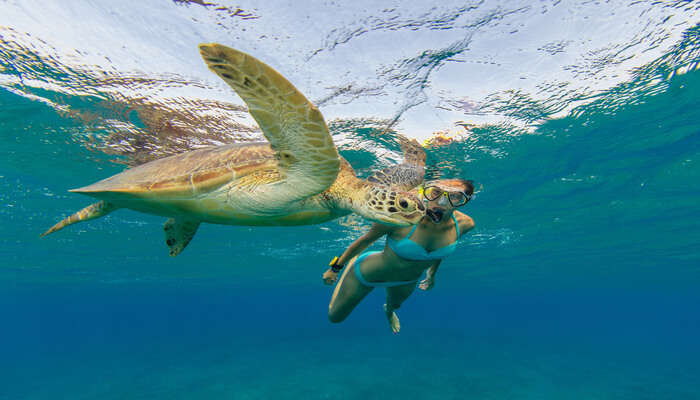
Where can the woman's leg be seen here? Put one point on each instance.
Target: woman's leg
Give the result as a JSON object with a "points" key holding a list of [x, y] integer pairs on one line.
{"points": [[347, 294], [396, 295]]}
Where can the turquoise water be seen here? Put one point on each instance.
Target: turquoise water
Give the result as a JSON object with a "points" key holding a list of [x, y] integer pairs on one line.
{"points": [[580, 280]]}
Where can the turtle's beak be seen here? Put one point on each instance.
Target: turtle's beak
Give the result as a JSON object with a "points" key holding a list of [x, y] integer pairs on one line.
{"points": [[403, 219]]}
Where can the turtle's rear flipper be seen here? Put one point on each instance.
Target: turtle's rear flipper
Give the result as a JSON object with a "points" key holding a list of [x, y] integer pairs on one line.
{"points": [[178, 234], [96, 210]]}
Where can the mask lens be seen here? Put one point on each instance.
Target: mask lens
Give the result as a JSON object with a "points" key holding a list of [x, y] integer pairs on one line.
{"points": [[431, 193], [457, 199]]}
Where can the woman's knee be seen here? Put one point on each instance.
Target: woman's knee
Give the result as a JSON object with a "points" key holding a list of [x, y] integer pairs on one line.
{"points": [[335, 317], [396, 296], [394, 305]]}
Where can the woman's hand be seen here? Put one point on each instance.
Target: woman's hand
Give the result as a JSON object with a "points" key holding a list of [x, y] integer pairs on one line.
{"points": [[427, 283], [329, 277]]}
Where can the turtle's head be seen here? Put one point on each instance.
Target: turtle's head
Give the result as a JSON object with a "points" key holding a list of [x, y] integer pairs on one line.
{"points": [[382, 204]]}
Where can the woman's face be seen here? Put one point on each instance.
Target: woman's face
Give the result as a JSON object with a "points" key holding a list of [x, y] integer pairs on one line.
{"points": [[441, 206]]}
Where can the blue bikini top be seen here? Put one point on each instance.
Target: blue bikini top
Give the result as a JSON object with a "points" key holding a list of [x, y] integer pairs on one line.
{"points": [[410, 250]]}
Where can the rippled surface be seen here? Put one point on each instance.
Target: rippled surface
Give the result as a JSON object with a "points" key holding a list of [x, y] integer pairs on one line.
{"points": [[580, 122], [132, 72]]}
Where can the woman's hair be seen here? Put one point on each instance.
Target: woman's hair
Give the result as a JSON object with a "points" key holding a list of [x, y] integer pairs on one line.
{"points": [[467, 185]]}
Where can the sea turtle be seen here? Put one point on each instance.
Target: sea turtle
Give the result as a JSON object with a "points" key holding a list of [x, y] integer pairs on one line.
{"points": [[297, 178]]}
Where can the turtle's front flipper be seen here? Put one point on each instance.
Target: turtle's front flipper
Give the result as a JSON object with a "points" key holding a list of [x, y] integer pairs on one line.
{"points": [[178, 234], [307, 158], [96, 210]]}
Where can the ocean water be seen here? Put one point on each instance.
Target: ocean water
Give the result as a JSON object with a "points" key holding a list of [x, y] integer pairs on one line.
{"points": [[579, 121]]}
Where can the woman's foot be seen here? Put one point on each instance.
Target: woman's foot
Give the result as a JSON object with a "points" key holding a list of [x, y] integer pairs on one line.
{"points": [[393, 319]]}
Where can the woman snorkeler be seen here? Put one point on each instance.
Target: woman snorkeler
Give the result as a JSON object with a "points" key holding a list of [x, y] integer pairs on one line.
{"points": [[408, 252]]}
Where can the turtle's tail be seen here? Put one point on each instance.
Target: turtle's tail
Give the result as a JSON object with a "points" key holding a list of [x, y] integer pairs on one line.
{"points": [[96, 210]]}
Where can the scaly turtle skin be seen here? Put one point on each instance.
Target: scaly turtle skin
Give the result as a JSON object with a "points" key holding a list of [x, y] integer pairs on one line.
{"points": [[297, 178]]}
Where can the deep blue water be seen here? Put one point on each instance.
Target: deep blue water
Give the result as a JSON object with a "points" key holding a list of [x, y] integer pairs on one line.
{"points": [[580, 281]]}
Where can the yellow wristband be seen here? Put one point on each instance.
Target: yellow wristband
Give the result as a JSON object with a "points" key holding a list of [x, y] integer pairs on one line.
{"points": [[335, 267]]}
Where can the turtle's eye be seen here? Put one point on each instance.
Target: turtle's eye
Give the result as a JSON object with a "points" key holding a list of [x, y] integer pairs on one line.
{"points": [[404, 203]]}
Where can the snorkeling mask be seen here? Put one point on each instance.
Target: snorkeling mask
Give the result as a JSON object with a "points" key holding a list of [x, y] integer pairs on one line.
{"points": [[457, 199]]}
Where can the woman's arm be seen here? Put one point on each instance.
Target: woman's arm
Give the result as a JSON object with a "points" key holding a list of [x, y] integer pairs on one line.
{"points": [[363, 242], [466, 223], [358, 246], [429, 281]]}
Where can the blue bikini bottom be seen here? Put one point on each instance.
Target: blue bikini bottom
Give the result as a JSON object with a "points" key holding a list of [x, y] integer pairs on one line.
{"points": [[363, 281]]}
